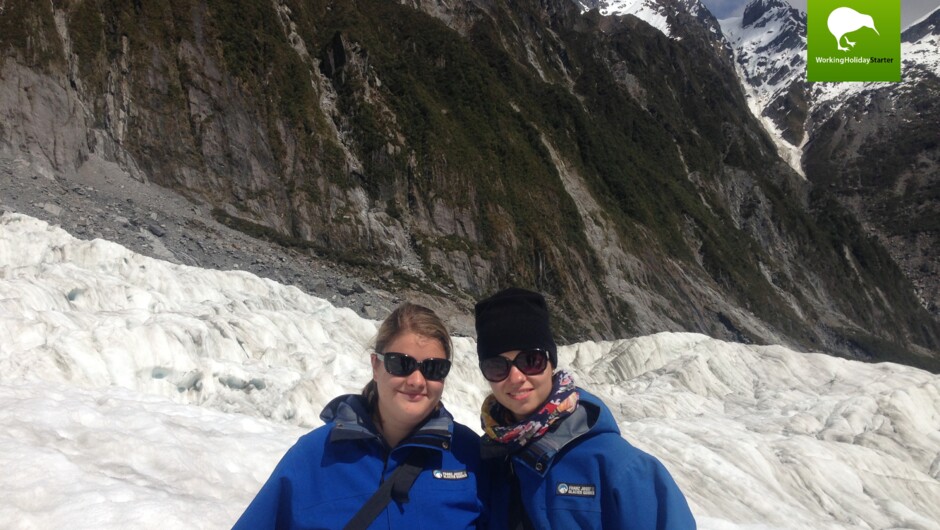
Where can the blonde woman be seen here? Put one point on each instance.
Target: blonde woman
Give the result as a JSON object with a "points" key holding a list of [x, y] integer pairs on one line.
{"points": [[392, 457]]}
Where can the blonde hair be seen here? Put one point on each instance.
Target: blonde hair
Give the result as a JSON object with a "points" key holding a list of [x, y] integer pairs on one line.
{"points": [[406, 318]]}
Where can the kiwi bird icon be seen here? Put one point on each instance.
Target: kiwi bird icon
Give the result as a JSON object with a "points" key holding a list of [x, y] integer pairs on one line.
{"points": [[845, 20]]}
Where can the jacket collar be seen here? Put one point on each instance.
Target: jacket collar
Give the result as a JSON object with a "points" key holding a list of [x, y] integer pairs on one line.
{"points": [[591, 418], [352, 421], [539, 455]]}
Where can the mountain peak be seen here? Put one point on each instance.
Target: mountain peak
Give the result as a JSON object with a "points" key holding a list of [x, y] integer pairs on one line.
{"points": [[657, 13], [928, 25], [649, 11], [759, 12]]}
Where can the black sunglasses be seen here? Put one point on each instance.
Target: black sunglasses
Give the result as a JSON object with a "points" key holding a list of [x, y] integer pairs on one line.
{"points": [[529, 362], [401, 365]]}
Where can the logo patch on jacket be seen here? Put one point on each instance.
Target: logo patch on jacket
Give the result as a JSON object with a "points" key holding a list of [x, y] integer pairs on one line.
{"points": [[576, 490], [443, 474]]}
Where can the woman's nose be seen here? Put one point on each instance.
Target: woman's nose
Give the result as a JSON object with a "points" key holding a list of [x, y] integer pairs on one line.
{"points": [[416, 379], [516, 375]]}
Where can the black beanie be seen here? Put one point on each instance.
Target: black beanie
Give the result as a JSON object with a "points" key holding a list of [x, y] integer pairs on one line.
{"points": [[513, 319]]}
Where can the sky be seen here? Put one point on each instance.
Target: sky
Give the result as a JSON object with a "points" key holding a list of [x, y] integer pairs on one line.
{"points": [[136, 393], [911, 10]]}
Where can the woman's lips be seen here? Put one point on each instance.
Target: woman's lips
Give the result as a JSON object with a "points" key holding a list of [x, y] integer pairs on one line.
{"points": [[412, 396], [520, 394]]}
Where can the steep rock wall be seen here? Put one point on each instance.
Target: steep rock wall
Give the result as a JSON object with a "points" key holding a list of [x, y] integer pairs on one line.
{"points": [[460, 150]]}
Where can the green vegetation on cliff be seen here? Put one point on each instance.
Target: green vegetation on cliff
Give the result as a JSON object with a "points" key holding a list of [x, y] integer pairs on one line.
{"points": [[299, 114]]}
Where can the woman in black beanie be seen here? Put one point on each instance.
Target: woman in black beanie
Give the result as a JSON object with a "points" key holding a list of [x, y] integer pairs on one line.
{"points": [[557, 457]]}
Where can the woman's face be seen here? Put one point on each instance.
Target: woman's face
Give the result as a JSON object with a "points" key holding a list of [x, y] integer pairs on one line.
{"points": [[406, 401], [522, 394]]}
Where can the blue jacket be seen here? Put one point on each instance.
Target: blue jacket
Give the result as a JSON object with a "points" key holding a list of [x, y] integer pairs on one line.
{"points": [[583, 474], [332, 471]]}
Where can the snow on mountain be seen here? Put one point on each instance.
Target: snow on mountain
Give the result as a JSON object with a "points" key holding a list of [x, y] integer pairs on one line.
{"points": [[769, 47], [928, 24], [135, 393], [770, 38], [661, 14], [920, 44], [650, 11], [919, 58], [769, 43]]}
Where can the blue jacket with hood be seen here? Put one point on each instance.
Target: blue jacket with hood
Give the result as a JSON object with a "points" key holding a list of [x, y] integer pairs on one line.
{"points": [[327, 476], [583, 474]]}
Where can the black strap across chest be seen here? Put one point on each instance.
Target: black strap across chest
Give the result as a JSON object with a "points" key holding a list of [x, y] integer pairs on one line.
{"points": [[395, 487]]}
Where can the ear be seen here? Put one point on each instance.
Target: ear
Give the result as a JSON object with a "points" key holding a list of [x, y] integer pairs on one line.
{"points": [[376, 365]]}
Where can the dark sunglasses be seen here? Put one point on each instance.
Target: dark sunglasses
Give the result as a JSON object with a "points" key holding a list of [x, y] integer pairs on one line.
{"points": [[401, 365], [529, 362]]}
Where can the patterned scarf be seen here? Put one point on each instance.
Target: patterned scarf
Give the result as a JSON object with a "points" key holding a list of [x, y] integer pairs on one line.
{"points": [[502, 428]]}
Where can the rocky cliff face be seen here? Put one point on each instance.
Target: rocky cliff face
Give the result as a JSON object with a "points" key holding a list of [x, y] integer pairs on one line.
{"points": [[769, 41], [876, 150], [461, 146], [869, 146]]}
